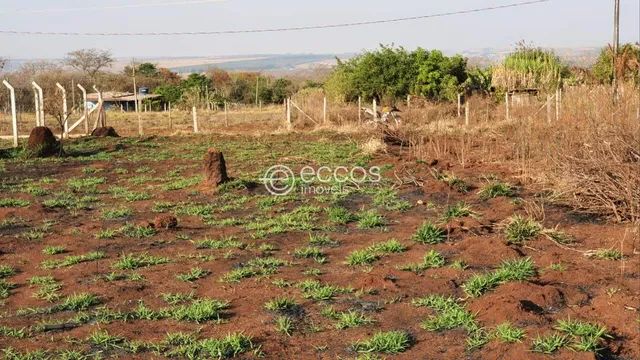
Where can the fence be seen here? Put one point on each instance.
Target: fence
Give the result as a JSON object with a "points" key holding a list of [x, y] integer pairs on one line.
{"points": [[309, 110]]}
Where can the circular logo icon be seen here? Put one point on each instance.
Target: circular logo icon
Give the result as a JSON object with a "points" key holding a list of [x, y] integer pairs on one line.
{"points": [[279, 180]]}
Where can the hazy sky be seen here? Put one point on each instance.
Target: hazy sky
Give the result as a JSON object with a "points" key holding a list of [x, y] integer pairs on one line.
{"points": [[558, 23]]}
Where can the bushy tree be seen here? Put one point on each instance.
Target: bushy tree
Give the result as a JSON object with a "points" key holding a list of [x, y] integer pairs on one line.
{"points": [[627, 67], [439, 77], [169, 93], [530, 67], [280, 90], [392, 73]]}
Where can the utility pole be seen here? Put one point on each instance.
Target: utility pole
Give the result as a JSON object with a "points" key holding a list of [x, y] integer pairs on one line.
{"points": [[616, 45]]}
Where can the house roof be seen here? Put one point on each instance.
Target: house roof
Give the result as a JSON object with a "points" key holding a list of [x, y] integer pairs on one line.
{"points": [[114, 96]]}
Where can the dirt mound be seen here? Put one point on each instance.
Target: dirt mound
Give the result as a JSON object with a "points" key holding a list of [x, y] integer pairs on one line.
{"points": [[105, 132], [165, 222], [215, 169], [42, 142]]}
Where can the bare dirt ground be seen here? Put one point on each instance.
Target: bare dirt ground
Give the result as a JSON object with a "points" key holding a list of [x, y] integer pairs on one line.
{"points": [[423, 265]]}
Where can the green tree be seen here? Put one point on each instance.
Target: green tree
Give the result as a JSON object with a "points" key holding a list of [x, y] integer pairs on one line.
{"points": [[391, 73], [148, 69], [627, 67], [439, 77], [280, 90], [169, 93], [196, 81]]}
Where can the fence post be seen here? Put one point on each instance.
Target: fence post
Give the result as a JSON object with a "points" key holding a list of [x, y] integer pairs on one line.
{"points": [[408, 102], [375, 110], [557, 104], [14, 115], [459, 104], [548, 108], [85, 111], [195, 119], [359, 110], [40, 102], [466, 113], [226, 114], [37, 105], [170, 118], [324, 111], [506, 102], [64, 109], [289, 124]]}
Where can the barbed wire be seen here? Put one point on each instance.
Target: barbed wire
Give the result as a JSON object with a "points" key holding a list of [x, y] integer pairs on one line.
{"points": [[272, 30]]}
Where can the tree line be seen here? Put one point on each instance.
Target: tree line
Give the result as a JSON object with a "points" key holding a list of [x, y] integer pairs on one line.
{"points": [[386, 74]]}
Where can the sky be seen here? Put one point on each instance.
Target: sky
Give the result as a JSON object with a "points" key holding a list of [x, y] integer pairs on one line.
{"points": [[557, 24]]}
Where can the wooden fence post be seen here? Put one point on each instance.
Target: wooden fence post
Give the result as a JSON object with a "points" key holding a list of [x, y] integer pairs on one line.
{"points": [[408, 102], [324, 111], [506, 101], [459, 104], [14, 115], [289, 124], [85, 111], [557, 104], [170, 118], [65, 110], [466, 113], [226, 114], [40, 102], [375, 110], [195, 119], [36, 101], [359, 110], [548, 108]]}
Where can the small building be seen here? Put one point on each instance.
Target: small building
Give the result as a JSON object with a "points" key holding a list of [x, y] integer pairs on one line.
{"points": [[123, 101]]}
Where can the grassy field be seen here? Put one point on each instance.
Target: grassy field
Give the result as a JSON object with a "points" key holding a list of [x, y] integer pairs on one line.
{"points": [[462, 250]]}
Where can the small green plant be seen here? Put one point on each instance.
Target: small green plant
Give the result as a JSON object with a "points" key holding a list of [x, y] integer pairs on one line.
{"points": [[281, 304], [5, 288], [73, 260], [370, 219], [284, 325], [321, 240], [78, 302], [313, 289], [6, 271], [121, 213], [133, 261], [106, 234], [509, 270], [374, 252], [255, 267], [311, 252], [550, 343], [586, 336], [193, 275], [223, 243], [458, 210], [431, 260], [351, 319], [389, 342], [48, 288], [7, 202], [137, 231], [521, 229], [106, 341], [508, 333], [340, 215], [495, 189], [428, 233], [452, 181], [54, 250], [608, 254]]}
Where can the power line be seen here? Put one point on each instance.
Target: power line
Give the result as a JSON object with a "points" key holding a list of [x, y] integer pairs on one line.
{"points": [[108, 7], [272, 30]]}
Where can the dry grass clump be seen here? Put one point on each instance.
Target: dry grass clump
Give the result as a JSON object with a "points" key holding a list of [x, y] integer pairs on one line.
{"points": [[373, 146]]}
